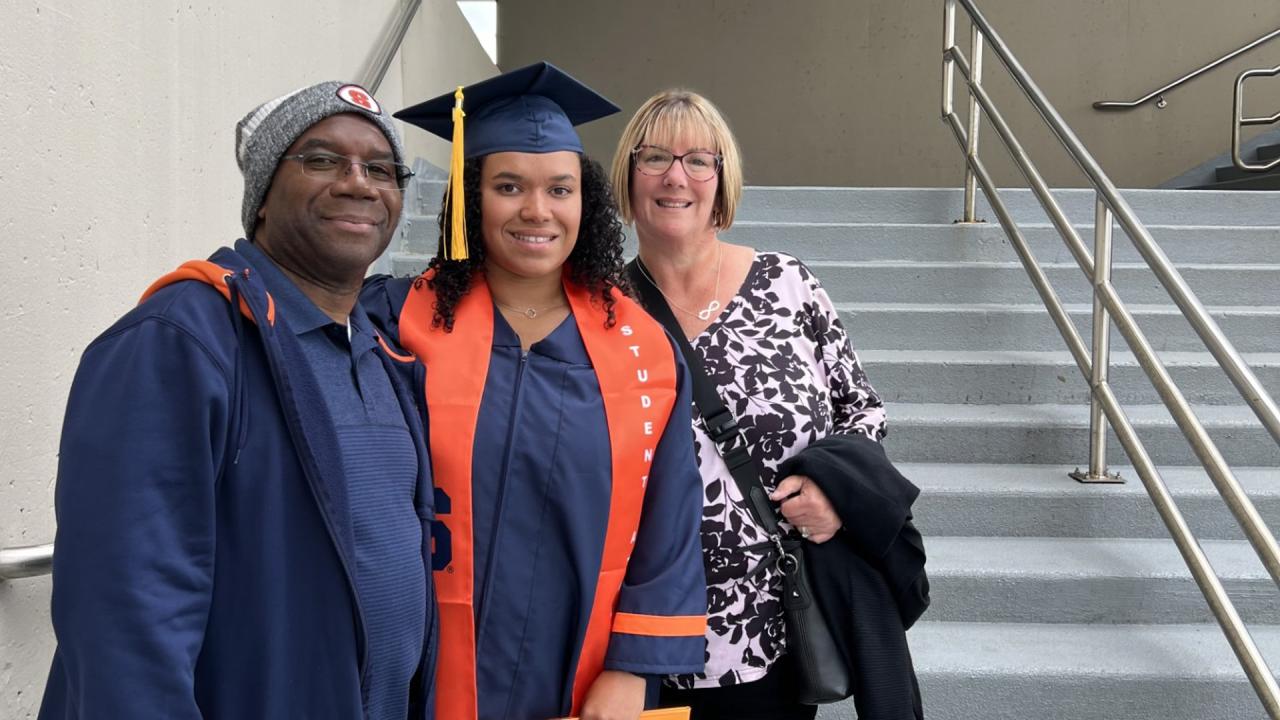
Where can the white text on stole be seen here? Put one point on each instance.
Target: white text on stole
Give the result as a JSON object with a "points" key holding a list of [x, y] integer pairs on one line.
{"points": [[646, 402]]}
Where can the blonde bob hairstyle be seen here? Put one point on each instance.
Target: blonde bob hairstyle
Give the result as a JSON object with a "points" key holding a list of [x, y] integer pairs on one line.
{"points": [[671, 116]]}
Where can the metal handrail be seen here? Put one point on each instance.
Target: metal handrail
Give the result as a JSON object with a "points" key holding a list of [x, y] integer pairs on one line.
{"points": [[1159, 93], [1238, 120], [21, 562], [34, 560], [1111, 207], [387, 48]]}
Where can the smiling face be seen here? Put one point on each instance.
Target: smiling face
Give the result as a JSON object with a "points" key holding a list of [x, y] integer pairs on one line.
{"points": [[673, 205], [330, 229], [530, 209]]}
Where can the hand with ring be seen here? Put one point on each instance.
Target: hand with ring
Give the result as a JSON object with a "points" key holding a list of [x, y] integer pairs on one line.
{"points": [[805, 506]]}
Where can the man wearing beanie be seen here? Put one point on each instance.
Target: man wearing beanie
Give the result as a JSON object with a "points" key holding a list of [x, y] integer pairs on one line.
{"points": [[243, 493]]}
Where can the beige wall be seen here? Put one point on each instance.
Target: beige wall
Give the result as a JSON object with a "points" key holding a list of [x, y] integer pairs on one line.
{"points": [[117, 164], [440, 52], [847, 92]]}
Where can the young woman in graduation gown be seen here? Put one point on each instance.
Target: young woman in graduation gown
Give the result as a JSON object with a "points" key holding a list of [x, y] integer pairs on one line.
{"points": [[566, 547]]}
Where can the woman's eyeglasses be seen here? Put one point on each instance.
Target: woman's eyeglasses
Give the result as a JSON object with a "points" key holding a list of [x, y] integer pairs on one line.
{"points": [[699, 165]]}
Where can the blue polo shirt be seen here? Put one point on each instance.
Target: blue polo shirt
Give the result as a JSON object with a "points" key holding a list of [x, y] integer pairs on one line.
{"points": [[381, 468]]}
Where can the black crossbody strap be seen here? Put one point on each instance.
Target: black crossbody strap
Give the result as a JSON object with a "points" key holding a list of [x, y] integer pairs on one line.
{"points": [[720, 424]]}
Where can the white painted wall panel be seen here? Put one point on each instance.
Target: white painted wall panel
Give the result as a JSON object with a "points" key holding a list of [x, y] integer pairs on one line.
{"points": [[116, 164]]}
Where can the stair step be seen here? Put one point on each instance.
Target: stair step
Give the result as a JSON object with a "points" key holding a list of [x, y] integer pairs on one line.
{"points": [[1007, 282], [1089, 580], [424, 196], [1042, 434], [987, 242], [1011, 376], [971, 500], [813, 242], [999, 671], [408, 264], [1231, 172], [1251, 181], [994, 326], [1268, 152], [943, 205]]}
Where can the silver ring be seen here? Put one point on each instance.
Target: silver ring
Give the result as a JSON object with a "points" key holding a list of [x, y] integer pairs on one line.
{"points": [[804, 532]]}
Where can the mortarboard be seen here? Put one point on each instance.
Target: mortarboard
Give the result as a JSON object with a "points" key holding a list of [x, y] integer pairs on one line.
{"points": [[532, 109]]}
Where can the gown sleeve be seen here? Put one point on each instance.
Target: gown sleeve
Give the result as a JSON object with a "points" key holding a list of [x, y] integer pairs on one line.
{"points": [[382, 298], [660, 623], [142, 445]]}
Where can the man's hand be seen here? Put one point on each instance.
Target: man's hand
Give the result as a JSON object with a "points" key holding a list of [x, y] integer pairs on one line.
{"points": [[615, 695], [808, 508]]}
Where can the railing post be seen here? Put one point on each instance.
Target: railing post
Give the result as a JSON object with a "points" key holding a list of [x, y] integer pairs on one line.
{"points": [[948, 63], [1103, 225], [1238, 120], [970, 180]]}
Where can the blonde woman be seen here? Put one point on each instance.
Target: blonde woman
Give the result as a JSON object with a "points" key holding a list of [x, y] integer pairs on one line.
{"points": [[772, 343]]}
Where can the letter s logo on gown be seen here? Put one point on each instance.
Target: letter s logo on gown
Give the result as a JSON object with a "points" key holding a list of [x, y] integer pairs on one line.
{"points": [[441, 538]]}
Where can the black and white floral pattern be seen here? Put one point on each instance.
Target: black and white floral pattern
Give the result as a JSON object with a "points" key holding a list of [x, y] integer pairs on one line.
{"points": [[787, 371]]}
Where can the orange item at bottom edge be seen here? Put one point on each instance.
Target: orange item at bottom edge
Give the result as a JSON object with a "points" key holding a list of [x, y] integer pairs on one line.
{"points": [[680, 713]]}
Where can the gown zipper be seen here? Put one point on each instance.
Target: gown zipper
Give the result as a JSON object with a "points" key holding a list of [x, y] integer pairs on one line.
{"points": [[483, 606]]}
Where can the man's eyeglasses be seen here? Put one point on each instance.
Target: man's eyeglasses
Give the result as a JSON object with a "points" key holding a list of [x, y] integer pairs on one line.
{"points": [[384, 174], [699, 165]]}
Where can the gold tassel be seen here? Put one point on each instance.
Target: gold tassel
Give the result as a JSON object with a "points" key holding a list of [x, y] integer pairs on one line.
{"points": [[457, 247]]}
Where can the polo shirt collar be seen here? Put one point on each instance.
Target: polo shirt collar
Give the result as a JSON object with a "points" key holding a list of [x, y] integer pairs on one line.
{"points": [[303, 315]]}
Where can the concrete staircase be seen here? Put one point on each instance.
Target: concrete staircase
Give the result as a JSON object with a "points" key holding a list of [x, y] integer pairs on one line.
{"points": [[1230, 177], [1051, 599]]}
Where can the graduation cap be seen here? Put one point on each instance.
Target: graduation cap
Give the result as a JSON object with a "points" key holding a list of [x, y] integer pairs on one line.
{"points": [[532, 110]]}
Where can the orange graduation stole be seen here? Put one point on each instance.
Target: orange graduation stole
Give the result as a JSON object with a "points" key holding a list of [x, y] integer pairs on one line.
{"points": [[635, 365]]}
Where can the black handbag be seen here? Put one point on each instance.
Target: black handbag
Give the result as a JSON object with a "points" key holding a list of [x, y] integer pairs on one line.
{"points": [[821, 673]]}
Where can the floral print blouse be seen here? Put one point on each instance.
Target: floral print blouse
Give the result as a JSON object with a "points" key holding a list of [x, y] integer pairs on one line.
{"points": [[786, 370]]}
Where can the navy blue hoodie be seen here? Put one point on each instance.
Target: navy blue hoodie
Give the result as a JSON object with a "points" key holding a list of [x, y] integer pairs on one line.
{"points": [[204, 558]]}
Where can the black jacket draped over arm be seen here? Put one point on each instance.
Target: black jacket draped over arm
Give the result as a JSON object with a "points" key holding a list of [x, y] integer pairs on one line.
{"points": [[869, 580]]}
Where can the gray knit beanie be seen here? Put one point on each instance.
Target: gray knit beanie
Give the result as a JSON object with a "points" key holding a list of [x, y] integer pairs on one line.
{"points": [[264, 135]]}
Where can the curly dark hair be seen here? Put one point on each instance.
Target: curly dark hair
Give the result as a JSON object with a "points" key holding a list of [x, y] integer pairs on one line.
{"points": [[596, 262]]}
